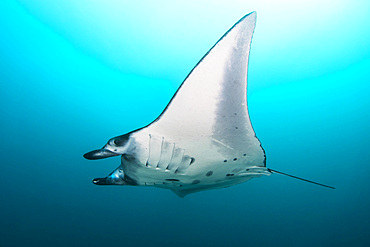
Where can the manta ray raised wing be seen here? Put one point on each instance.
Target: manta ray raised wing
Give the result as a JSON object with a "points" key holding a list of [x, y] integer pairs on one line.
{"points": [[204, 137]]}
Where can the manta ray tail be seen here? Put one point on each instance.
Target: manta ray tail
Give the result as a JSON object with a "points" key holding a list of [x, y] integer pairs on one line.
{"points": [[306, 180]]}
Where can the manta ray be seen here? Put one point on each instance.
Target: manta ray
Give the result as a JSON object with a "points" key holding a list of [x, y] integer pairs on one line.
{"points": [[204, 138]]}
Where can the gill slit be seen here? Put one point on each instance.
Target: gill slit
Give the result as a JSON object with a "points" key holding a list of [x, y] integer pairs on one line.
{"points": [[160, 156], [150, 138], [173, 151]]}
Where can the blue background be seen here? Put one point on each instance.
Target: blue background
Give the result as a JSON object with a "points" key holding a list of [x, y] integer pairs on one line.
{"points": [[76, 73]]}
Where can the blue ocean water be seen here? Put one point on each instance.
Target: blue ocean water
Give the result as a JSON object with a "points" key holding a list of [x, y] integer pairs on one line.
{"points": [[76, 73]]}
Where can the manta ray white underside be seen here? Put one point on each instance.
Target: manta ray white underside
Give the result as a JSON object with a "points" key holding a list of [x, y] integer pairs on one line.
{"points": [[204, 138]]}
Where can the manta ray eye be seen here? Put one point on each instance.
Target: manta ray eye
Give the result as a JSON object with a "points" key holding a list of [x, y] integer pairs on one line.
{"points": [[119, 141]]}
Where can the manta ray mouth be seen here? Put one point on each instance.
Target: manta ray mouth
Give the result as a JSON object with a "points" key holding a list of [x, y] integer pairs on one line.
{"points": [[99, 154]]}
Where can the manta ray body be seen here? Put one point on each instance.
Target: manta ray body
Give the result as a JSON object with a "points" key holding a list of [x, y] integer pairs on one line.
{"points": [[204, 137]]}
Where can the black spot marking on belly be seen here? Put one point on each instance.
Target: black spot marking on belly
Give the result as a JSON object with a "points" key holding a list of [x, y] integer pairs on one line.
{"points": [[235, 159], [209, 173], [196, 181], [191, 160], [229, 175], [172, 179], [225, 160], [244, 154]]}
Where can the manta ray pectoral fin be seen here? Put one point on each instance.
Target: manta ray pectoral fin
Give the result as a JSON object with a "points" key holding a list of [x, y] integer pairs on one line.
{"points": [[99, 154]]}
